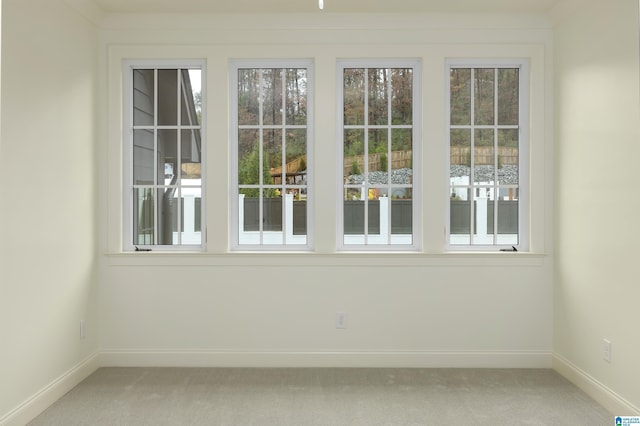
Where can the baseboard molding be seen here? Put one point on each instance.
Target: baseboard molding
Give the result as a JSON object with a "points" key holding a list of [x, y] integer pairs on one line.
{"points": [[40, 401], [371, 359], [613, 402]]}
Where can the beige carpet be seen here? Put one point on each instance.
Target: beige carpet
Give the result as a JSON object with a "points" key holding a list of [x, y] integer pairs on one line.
{"points": [[332, 397]]}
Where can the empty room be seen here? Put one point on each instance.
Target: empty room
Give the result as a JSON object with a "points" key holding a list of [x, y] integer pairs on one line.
{"points": [[340, 212]]}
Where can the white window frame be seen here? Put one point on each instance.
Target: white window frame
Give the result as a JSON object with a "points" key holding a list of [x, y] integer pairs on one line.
{"points": [[127, 157], [523, 126], [235, 243], [416, 186]]}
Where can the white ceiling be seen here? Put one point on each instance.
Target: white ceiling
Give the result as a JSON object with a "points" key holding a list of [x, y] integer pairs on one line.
{"points": [[331, 6]]}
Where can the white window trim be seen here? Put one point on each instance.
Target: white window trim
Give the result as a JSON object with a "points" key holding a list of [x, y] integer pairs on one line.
{"points": [[525, 107], [127, 151], [417, 237], [234, 66]]}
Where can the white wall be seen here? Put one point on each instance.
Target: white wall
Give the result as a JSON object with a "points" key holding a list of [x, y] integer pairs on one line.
{"points": [[48, 198], [420, 309], [596, 207]]}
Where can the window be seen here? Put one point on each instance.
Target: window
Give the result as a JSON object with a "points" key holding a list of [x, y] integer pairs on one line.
{"points": [[488, 145], [163, 155], [271, 176], [379, 139]]}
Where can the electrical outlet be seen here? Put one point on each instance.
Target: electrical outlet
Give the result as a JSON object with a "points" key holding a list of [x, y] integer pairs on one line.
{"points": [[606, 350], [82, 329], [341, 320]]}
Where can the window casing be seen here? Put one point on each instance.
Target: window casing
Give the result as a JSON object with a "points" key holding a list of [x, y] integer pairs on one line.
{"points": [[378, 143], [488, 155], [271, 143], [163, 155]]}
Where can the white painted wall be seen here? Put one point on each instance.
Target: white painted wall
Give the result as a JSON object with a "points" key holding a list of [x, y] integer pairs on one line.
{"points": [[598, 125], [48, 201], [419, 309]]}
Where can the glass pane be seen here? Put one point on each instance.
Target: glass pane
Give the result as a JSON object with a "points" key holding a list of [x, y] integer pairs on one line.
{"points": [[353, 217], [402, 213], [197, 212], [508, 217], [379, 211], [353, 96], [484, 156], [296, 96], [191, 208], [272, 153], [460, 219], [508, 96], [167, 216], [300, 217], [190, 215], [484, 216], [460, 156], [353, 155], [248, 157], [402, 96], [401, 193], [248, 96], [378, 96], [174, 211], [191, 97], [272, 107], [143, 220], [272, 217], [272, 210], [249, 210], [484, 96], [143, 97], [167, 97], [296, 156], [460, 86], [354, 193], [375, 215], [377, 192], [191, 154], [378, 156], [354, 213], [168, 156], [143, 158], [508, 157], [401, 160]]}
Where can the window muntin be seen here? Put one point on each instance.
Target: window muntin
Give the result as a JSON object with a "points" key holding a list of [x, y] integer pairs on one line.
{"points": [[487, 148], [378, 143], [164, 155], [270, 146]]}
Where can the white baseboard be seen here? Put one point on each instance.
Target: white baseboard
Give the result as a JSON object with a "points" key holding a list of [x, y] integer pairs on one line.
{"points": [[371, 359], [40, 401], [613, 402]]}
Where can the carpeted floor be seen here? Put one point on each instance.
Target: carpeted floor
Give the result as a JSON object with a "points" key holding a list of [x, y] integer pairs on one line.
{"points": [[331, 397]]}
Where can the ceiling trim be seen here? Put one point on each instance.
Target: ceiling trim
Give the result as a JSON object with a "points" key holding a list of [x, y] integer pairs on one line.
{"points": [[437, 18], [312, 21]]}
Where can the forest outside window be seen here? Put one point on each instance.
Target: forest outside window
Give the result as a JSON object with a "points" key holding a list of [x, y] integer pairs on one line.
{"points": [[271, 200], [379, 140], [163, 156], [488, 145]]}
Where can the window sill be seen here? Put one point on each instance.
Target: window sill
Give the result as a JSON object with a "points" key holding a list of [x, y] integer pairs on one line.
{"points": [[374, 259]]}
